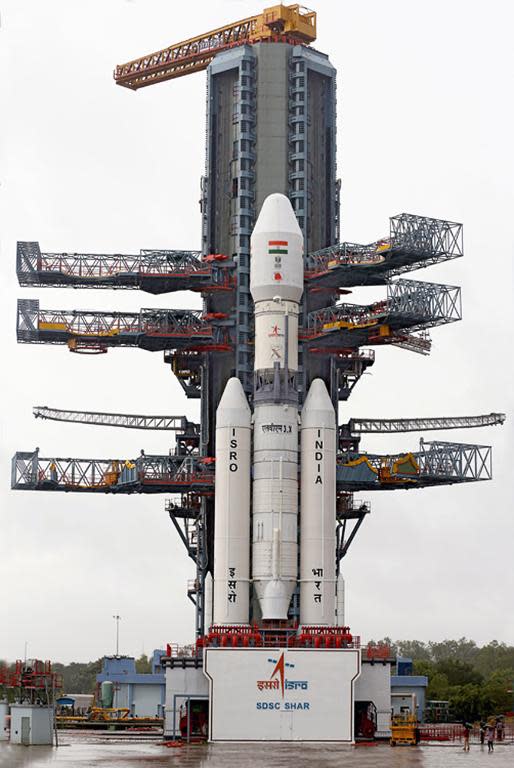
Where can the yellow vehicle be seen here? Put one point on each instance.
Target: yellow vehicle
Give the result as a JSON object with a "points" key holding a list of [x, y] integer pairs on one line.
{"points": [[109, 714], [404, 730]]}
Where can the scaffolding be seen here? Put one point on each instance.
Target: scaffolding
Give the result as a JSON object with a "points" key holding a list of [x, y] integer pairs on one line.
{"points": [[435, 463], [413, 242], [152, 329], [411, 306], [145, 474], [153, 271]]}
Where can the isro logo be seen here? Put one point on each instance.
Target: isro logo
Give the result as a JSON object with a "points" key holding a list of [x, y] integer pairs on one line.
{"points": [[279, 682], [277, 249]]}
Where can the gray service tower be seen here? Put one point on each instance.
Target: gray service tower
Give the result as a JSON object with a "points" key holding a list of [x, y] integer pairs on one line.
{"points": [[271, 127]]}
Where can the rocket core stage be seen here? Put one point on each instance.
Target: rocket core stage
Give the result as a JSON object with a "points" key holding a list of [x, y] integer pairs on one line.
{"points": [[276, 284]]}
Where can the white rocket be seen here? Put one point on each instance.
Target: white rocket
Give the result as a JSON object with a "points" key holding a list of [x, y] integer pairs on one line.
{"points": [[276, 284]]}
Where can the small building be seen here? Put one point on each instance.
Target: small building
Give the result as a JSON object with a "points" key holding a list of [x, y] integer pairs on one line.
{"points": [[408, 691], [32, 724], [142, 694], [373, 693], [185, 685]]}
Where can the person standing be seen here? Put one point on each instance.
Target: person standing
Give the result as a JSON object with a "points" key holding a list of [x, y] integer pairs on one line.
{"points": [[499, 730], [467, 731], [482, 734], [490, 738]]}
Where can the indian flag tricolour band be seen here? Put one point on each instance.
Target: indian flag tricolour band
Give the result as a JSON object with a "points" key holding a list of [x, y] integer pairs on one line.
{"points": [[277, 246]]}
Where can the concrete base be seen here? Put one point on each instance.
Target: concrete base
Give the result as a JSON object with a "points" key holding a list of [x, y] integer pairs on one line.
{"points": [[31, 724]]}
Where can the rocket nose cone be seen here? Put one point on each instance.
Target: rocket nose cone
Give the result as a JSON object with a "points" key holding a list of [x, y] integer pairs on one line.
{"points": [[233, 409], [277, 215], [318, 410]]}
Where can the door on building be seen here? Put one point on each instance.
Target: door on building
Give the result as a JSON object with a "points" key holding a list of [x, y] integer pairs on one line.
{"points": [[365, 720], [25, 731]]}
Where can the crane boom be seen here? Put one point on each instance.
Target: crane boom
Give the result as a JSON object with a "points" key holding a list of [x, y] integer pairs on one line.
{"points": [[181, 423], [291, 23], [361, 426], [127, 420]]}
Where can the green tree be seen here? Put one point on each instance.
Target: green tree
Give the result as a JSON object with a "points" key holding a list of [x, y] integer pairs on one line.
{"points": [[466, 702], [458, 672], [494, 656], [143, 664], [496, 691], [459, 650], [79, 677], [438, 687], [414, 649]]}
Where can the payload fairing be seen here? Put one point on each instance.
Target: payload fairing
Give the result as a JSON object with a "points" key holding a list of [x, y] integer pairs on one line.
{"points": [[276, 284]]}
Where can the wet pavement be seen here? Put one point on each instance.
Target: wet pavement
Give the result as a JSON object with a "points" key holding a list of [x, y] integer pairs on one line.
{"points": [[81, 752]]}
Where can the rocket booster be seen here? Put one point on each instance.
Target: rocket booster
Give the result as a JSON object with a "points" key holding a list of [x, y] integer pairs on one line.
{"points": [[276, 285], [232, 507], [318, 518]]}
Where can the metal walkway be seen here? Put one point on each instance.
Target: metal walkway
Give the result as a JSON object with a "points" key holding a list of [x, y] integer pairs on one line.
{"points": [[151, 329], [436, 463], [414, 242], [158, 271], [411, 306]]}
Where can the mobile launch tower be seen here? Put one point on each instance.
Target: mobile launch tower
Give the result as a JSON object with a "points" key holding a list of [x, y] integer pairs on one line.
{"points": [[270, 150]]}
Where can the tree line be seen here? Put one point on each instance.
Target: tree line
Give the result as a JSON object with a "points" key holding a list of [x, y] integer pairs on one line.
{"points": [[477, 681]]}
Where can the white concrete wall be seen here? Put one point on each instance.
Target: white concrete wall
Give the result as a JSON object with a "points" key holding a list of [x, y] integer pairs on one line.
{"points": [[185, 682], [374, 684]]}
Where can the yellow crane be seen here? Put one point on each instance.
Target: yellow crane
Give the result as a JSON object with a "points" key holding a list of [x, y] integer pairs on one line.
{"points": [[279, 23]]}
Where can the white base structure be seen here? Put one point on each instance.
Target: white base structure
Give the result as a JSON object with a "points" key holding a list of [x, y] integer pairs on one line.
{"points": [[31, 724], [277, 694]]}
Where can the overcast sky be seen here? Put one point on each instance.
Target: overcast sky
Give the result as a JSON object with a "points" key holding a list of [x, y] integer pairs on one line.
{"points": [[425, 126]]}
